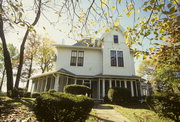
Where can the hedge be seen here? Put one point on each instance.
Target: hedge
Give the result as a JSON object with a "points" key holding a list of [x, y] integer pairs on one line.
{"points": [[35, 94], [77, 89], [62, 107], [166, 104], [119, 95]]}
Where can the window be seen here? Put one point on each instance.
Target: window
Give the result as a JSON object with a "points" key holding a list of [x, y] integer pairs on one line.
{"points": [[113, 58], [117, 58], [120, 58], [73, 58], [77, 58], [115, 38], [80, 58]]}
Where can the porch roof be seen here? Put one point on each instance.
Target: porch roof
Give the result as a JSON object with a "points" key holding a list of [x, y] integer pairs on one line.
{"points": [[117, 76], [66, 72]]}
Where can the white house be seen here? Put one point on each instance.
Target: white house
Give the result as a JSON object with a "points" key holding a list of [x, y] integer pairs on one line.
{"points": [[105, 63]]}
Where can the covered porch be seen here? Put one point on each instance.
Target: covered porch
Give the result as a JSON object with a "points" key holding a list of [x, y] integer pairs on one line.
{"points": [[99, 84]]}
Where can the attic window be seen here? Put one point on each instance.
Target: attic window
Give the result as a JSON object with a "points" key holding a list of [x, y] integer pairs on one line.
{"points": [[115, 38]]}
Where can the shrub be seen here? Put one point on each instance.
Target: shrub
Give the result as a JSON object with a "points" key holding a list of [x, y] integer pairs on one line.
{"points": [[166, 104], [62, 107], [52, 90], [119, 95], [77, 89], [21, 92], [35, 95], [27, 94]]}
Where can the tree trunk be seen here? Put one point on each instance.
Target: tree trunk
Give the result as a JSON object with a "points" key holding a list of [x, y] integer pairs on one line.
{"points": [[6, 54], [2, 80], [23, 46], [30, 71]]}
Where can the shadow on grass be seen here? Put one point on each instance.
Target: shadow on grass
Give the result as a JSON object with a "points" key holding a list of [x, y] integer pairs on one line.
{"points": [[7, 105], [99, 119], [136, 105]]}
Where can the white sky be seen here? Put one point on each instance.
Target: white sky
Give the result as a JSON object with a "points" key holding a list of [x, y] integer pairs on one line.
{"points": [[15, 35]]}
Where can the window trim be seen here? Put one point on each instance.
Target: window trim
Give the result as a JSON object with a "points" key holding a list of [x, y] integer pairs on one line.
{"points": [[116, 38], [71, 62], [118, 59], [77, 57]]}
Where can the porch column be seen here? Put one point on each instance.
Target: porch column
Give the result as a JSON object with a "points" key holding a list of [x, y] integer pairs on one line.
{"points": [[83, 82], [67, 80], [141, 94], [38, 85], [132, 89], [136, 89], [99, 92], [103, 88], [46, 83], [110, 83], [125, 84], [90, 83], [56, 85], [75, 81], [32, 84]]}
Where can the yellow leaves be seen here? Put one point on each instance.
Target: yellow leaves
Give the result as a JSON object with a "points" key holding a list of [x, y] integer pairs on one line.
{"points": [[151, 49], [107, 30], [162, 38], [81, 19], [112, 8], [117, 23], [175, 1], [129, 13]]}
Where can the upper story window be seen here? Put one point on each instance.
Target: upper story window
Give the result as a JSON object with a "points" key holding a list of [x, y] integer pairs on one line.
{"points": [[77, 58], [117, 58], [80, 58], [115, 38], [73, 58]]}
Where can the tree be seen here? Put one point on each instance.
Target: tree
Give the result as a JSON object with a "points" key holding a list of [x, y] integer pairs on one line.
{"points": [[15, 10], [39, 52], [30, 53], [46, 54], [147, 70], [14, 54]]}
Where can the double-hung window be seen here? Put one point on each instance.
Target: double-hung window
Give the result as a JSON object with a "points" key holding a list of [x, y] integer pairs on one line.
{"points": [[73, 58], [117, 58], [77, 58], [80, 58], [113, 58]]}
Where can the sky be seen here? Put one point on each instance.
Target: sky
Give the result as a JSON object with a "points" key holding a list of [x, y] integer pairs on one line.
{"points": [[59, 31]]}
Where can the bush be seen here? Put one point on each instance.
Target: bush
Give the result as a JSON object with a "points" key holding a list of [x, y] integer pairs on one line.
{"points": [[62, 107], [21, 92], [51, 91], [119, 95], [77, 89], [35, 95], [27, 94], [166, 104]]}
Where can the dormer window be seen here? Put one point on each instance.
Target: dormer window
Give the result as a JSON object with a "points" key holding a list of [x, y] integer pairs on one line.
{"points": [[115, 38]]}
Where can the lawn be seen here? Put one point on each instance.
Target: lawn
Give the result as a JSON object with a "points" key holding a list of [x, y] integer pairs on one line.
{"points": [[21, 110], [139, 113]]}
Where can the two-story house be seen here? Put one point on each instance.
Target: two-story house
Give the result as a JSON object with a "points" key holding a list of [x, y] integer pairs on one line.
{"points": [[105, 63]]}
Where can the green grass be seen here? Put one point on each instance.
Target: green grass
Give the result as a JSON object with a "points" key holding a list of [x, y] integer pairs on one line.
{"points": [[92, 117], [139, 114]]}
